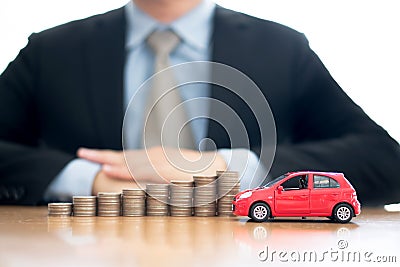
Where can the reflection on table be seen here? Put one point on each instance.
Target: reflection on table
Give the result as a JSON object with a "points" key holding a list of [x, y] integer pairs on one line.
{"points": [[29, 237]]}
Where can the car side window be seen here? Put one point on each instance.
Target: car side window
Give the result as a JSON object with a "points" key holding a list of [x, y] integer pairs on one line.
{"points": [[325, 182], [333, 183], [295, 183]]}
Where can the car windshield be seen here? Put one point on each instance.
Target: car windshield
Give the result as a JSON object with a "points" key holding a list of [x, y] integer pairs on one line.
{"points": [[275, 180]]}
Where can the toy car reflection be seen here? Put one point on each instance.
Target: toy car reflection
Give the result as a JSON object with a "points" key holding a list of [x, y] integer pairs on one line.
{"points": [[300, 194]]}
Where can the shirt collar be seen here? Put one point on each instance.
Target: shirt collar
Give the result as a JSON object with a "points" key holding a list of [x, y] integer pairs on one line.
{"points": [[194, 28]]}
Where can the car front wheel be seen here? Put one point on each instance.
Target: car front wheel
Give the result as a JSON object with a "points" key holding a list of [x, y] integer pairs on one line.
{"points": [[343, 213], [260, 212]]}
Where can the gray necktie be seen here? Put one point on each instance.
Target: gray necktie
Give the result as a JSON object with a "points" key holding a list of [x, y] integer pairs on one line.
{"points": [[165, 124]]}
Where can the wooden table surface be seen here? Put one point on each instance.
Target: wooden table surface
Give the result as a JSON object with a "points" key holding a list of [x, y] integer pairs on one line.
{"points": [[28, 237]]}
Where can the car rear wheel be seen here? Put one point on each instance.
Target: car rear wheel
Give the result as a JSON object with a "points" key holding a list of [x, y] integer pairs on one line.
{"points": [[260, 212], [343, 213]]}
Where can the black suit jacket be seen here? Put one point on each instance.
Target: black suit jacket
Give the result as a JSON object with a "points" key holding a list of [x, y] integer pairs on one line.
{"points": [[64, 91]]}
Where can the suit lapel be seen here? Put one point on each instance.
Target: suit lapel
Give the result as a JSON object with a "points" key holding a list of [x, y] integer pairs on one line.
{"points": [[229, 33], [105, 52]]}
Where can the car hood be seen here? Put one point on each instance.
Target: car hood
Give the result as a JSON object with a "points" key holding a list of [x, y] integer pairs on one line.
{"points": [[255, 190]]}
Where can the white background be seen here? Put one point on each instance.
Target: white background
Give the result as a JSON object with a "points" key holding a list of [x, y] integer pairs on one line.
{"points": [[358, 40]]}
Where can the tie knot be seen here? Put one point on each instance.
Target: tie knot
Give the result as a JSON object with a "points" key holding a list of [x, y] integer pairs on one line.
{"points": [[163, 42]]}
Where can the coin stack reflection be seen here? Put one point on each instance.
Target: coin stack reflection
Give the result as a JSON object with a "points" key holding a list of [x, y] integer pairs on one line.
{"points": [[84, 206], [59, 209], [109, 204], [133, 202], [157, 199], [205, 193], [181, 198], [228, 187]]}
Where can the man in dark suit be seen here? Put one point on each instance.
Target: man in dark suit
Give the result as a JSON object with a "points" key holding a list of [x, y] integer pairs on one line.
{"points": [[65, 90]]}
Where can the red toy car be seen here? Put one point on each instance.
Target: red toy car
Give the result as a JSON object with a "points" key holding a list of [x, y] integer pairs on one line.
{"points": [[300, 194]]}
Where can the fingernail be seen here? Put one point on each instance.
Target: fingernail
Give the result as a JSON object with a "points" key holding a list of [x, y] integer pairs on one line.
{"points": [[106, 168], [83, 150]]}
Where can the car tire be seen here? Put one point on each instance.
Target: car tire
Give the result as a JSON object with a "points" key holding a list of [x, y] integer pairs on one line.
{"points": [[343, 213], [260, 212]]}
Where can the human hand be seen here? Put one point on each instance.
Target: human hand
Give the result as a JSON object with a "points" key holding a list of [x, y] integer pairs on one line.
{"points": [[155, 165], [105, 183]]}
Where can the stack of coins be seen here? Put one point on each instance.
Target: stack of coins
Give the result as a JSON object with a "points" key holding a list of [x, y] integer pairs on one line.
{"points": [[181, 198], [133, 202], [84, 206], [157, 199], [205, 193], [228, 187], [109, 204], [59, 209]]}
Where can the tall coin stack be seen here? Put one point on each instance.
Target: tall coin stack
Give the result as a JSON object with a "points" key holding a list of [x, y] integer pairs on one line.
{"points": [[181, 198], [228, 187], [109, 204], [133, 202], [59, 209], [84, 206], [205, 193], [157, 199]]}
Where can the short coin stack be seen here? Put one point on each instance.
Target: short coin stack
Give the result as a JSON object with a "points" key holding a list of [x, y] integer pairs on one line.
{"points": [[157, 199], [84, 206], [181, 198], [109, 204], [205, 193], [133, 202], [228, 187], [59, 209]]}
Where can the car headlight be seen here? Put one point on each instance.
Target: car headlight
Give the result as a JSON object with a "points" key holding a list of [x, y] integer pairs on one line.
{"points": [[245, 195]]}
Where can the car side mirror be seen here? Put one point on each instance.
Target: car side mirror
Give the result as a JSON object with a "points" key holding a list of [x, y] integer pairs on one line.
{"points": [[280, 188]]}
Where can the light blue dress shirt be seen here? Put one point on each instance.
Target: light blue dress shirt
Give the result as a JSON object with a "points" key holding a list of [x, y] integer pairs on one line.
{"points": [[195, 30]]}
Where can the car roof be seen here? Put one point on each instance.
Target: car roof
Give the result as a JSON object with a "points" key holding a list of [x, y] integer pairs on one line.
{"points": [[316, 172]]}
